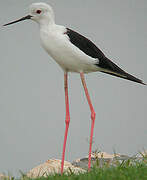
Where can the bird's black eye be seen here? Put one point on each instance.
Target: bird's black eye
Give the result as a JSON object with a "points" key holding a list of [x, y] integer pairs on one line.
{"points": [[38, 11]]}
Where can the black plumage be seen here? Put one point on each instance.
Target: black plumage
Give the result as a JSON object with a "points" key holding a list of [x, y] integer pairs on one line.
{"points": [[105, 64]]}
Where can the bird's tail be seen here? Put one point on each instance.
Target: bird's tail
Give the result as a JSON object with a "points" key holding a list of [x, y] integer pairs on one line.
{"points": [[110, 68]]}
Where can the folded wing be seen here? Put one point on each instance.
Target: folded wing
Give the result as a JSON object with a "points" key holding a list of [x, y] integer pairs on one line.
{"points": [[105, 65]]}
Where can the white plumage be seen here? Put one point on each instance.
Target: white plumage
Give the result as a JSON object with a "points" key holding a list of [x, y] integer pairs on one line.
{"points": [[57, 44]]}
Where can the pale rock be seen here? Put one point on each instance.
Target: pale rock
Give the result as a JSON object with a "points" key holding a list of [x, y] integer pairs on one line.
{"points": [[3, 177], [101, 156], [53, 166], [104, 155]]}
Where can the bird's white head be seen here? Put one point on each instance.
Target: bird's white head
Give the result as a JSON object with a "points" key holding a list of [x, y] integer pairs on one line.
{"points": [[42, 13]]}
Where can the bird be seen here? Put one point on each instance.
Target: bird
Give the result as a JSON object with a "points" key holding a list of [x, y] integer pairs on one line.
{"points": [[73, 53]]}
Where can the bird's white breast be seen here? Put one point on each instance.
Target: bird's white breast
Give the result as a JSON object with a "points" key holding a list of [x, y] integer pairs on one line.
{"points": [[55, 41]]}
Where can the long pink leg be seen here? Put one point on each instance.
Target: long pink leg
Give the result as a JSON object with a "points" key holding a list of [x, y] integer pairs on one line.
{"points": [[67, 119], [92, 117]]}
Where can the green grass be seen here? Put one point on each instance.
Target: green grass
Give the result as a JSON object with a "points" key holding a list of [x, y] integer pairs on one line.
{"points": [[126, 170]]}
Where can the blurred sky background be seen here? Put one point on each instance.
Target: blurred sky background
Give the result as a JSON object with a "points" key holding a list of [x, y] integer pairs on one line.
{"points": [[32, 109]]}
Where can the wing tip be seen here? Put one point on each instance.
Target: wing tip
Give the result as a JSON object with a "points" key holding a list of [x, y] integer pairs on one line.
{"points": [[143, 83]]}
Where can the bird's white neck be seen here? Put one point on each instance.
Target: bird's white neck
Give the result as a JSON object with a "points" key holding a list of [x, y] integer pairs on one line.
{"points": [[44, 24], [46, 21]]}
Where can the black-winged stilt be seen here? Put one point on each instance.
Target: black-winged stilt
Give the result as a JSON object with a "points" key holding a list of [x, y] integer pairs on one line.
{"points": [[74, 53]]}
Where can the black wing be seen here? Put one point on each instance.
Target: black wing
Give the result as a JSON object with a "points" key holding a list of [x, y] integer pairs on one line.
{"points": [[84, 44], [106, 65]]}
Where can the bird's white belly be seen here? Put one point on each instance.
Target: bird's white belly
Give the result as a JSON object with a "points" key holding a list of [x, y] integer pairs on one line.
{"points": [[68, 56]]}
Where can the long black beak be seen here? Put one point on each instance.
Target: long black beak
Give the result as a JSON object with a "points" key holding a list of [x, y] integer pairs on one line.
{"points": [[22, 19]]}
